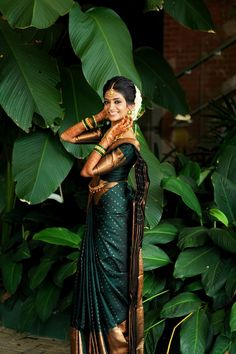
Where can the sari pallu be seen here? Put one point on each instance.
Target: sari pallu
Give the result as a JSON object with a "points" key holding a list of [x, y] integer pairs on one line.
{"points": [[107, 317]]}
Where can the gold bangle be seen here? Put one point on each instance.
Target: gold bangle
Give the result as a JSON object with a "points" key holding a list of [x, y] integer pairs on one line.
{"points": [[89, 124], [100, 149]]}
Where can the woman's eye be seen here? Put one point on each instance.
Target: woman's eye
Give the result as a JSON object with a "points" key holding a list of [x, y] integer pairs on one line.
{"points": [[105, 103], [117, 101]]}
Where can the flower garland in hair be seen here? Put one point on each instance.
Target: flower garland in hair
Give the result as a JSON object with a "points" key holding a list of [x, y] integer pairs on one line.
{"points": [[137, 103]]}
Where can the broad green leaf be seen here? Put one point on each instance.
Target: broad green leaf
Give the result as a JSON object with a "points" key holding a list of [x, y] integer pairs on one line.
{"points": [[193, 334], [217, 321], [94, 37], [152, 285], [153, 329], [28, 315], [154, 203], [225, 196], [11, 274], [39, 273], [63, 272], [159, 82], [227, 163], [192, 170], [194, 286], [195, 261], [153, 5], [163, 233], [192, 237], [40, 164], [224, 239], [3, 195], [29, 77], [59, 236], [219, 216], [190, 13], [46, 300], [184, 190], [40, 14], [80, 101], [230, 285], [73, 256], [233, 318], [215, 277], [154, 257], [221, 345], [66, 302], [204, 174], [181, 305], [167, 169], [21, 252]]}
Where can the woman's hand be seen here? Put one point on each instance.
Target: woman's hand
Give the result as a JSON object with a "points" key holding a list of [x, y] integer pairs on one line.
{"points": [[115, 131]]}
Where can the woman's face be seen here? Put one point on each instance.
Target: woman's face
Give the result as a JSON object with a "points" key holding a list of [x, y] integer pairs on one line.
{"points": [[115, 105]]}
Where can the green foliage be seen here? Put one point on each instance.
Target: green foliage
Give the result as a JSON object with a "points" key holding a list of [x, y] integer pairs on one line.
{"points": [[190, 13], [101, 54], [50, 83], [159, 82], [26, 13], [40, 164]]}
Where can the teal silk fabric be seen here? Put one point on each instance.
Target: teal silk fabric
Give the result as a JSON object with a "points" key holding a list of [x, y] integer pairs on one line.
{"points": [[101, 298]]}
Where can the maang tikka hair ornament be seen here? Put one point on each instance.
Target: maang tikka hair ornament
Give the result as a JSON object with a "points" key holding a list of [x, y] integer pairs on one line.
{"points": [[111, 92]]}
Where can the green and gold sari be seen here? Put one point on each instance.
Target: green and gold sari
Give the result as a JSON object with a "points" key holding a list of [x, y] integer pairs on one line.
{"points": [[107, 316]]}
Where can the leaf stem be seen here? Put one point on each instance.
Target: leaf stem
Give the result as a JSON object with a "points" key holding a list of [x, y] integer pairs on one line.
{"points": [[158, 294], [173, 332]]}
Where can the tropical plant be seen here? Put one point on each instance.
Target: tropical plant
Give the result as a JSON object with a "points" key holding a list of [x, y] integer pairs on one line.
{"points": [[55, 58]]}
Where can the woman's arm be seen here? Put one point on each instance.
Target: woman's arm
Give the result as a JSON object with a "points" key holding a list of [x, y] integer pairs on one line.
{"points": [[85, 130], [98, 162]]}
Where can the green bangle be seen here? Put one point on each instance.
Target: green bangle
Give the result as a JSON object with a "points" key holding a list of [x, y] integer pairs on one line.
{"points": [[85, 124], [89, 124], [100, 149], [95, 122]]}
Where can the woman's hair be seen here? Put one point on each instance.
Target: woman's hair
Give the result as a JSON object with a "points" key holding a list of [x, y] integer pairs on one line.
{"points": [[122, 85]]}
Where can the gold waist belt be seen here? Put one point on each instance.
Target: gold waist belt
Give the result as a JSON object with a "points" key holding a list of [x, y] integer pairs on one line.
{"points": [[102, 186]]}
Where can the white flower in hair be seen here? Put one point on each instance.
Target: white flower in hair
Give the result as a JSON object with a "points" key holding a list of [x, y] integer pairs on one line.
{"points": [[137, 104]]}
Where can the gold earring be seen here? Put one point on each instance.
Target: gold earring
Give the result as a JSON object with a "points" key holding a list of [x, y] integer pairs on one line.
{"points": [[129, 113]]}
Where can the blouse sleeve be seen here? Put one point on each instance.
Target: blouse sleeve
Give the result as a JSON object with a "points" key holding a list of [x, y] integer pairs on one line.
{"points": [[120, 156]]}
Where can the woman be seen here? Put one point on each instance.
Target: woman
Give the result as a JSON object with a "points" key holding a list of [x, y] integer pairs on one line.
{"points": [[107, 314]]}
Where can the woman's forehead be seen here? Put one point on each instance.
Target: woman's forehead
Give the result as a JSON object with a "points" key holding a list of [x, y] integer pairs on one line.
{"points": [[112, 94]]}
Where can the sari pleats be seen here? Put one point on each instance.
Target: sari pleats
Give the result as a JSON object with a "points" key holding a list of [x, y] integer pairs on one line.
{"points": [[107, 316]]}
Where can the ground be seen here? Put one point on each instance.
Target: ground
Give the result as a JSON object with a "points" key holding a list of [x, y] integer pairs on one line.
{"points": [[12, 342]]}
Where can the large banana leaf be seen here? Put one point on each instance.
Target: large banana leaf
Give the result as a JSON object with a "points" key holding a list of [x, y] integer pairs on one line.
{"points": [[40, 164], [193, 334], [190, 13], [40, 14], [155, 194], [28, 81], [80, 101], [159, 82], [102, 41]]}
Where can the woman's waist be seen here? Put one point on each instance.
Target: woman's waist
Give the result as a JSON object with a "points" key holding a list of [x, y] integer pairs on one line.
{"points": [[99, 185]]}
